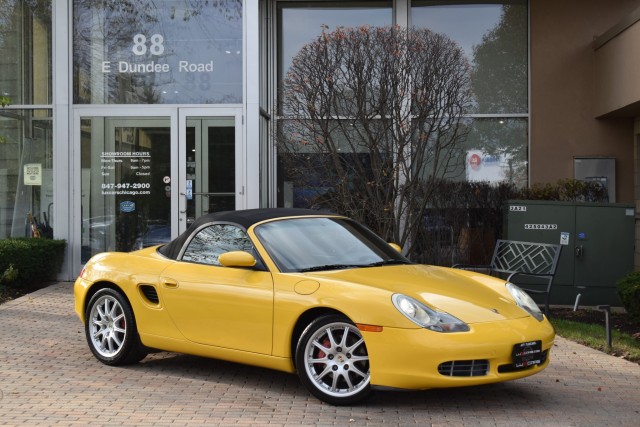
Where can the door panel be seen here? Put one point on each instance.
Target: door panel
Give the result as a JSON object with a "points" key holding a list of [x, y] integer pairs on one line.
{"points": [[604, 245], [210, 156], [125, 204], [224, 307], [210, 166]]}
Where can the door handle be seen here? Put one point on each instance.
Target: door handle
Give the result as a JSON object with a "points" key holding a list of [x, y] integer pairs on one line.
{"points": [[168, 283], [579, 251]]}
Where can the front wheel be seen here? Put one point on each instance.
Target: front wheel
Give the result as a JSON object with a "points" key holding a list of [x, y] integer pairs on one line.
{"points": [[332, 361], [111, 329]]}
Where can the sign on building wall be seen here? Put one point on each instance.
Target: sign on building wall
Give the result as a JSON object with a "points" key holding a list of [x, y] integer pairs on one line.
{"points": [[165, 52]]}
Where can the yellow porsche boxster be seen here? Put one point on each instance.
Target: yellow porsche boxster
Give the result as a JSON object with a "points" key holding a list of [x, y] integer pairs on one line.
{"points": [[317, 294]]}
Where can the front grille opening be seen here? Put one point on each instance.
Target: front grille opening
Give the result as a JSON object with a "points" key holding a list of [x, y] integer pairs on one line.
{"points": [[464, 368], [504, 369], [150, 294]]}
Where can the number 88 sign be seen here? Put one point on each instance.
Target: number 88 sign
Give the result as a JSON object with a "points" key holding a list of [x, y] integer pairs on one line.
{"points": [[156, 46]]}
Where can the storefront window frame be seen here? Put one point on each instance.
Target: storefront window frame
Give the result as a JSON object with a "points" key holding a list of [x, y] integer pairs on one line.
{"points": [[402, 17]]}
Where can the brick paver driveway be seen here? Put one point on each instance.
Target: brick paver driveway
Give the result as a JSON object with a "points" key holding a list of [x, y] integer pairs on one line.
{"points": [[48, 376]]}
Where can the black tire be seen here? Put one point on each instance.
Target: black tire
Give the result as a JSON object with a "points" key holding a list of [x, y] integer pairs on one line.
{"points": [[333, 362], [110, 329]]}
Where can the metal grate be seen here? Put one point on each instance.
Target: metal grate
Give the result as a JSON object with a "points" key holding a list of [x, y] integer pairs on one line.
{"points": [[464, 368]]}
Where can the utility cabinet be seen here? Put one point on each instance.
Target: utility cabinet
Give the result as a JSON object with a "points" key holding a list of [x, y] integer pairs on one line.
{"points": [[597, 242]]}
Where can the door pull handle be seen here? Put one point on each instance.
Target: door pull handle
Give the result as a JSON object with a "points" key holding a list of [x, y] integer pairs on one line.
{"points": [[171, 284]]}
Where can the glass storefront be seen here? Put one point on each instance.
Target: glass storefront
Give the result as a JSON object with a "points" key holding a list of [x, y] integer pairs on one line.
{"points": [[144, 175], [25, 51], [26, 173], [157, 52], [26, 146], [493, 42]]}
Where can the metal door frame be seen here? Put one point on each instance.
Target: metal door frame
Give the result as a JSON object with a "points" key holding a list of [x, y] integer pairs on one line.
{"points": [[184, 115], [75, 172]]}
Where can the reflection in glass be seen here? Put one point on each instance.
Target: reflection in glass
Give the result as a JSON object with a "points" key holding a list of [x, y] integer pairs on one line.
{"points": [[125, 195], [337, 243], [26, 173], [157, 52], [494, 38], [302, 22], [210, 169], [495, 151], [207, 246], [25, 48]]}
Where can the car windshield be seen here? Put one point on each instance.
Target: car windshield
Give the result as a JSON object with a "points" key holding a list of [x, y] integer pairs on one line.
{"points": [[316, 244]]}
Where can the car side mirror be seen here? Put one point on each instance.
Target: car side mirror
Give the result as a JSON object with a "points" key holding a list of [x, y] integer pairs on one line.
{"points": [[396, 247], [237, 259]]}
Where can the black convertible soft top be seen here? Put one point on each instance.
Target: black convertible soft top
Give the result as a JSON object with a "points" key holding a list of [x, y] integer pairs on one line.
{"points": [[244, 218]]}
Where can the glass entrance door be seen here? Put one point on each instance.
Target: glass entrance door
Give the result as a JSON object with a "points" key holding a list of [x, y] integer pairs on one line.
{"points": [[144, 179], [210, 152], [210, 167], [125, 181]]}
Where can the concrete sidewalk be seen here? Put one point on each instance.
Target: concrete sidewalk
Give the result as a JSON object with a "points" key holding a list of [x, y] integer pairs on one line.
{"points": [[48, 376]]}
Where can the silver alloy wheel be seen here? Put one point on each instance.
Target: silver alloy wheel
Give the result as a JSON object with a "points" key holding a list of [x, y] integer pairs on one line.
{"points": [[108, 326], [336, 360]]}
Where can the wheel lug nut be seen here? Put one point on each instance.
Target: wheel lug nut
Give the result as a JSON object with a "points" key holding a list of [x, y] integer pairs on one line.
{"points": [[335, 368], [339, 349], [330, 357]]}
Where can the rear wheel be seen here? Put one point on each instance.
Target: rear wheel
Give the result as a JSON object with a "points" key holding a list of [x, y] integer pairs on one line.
{"points": [[111, 330], [333, 362]]}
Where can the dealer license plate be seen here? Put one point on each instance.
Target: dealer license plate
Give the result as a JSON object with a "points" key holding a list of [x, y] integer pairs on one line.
{"points": [[527, 354]]}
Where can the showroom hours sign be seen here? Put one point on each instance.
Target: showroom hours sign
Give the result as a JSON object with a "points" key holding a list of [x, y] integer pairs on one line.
{"points": [[125, 173], [142, 47]]}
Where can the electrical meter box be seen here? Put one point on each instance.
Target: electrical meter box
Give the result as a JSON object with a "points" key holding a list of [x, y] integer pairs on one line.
{"points": [[597, 241]]}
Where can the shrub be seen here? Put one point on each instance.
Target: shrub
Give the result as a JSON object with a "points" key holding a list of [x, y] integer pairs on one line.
{"points": [[9, 276], [567, 190], [629, 292], [29, 261]]}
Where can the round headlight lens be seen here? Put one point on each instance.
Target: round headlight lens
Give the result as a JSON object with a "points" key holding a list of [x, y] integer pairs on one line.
{"points": [[427, 318], [524, 301]]}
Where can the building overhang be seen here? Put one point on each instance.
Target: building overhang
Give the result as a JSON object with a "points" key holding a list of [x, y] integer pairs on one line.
{"points": [[616, 68]]}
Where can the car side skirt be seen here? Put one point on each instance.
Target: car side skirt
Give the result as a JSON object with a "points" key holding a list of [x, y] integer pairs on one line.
{"points": [[220, 353]]}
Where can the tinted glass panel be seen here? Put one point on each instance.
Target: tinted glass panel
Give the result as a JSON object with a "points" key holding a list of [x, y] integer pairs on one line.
{"points": [[494, 39], [125, 194], [302, 22], [26, 173], [25, 51], [157, 52]]}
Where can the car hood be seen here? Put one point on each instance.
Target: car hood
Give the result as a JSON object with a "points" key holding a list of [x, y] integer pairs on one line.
{"points": [[471, 297]]}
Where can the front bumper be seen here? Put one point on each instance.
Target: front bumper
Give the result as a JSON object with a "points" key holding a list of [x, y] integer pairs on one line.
{"points": [[409, 358]]}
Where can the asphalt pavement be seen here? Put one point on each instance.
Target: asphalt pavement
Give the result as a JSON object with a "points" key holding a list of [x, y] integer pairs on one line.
{"points": [[48, 376]]}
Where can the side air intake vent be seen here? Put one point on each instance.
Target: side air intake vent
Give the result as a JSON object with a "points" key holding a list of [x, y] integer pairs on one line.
{"points": [[150, 293]]}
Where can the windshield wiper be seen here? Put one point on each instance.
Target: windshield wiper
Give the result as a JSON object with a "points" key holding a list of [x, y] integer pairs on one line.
{"points": [[331, 267], [389, 262]]}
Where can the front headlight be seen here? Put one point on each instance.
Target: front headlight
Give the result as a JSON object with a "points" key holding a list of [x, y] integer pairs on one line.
{"points": [[524, 301], [425, 317]]}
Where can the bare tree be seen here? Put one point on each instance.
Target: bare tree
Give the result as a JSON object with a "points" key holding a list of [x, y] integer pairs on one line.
{"points": [[369, 118]]}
